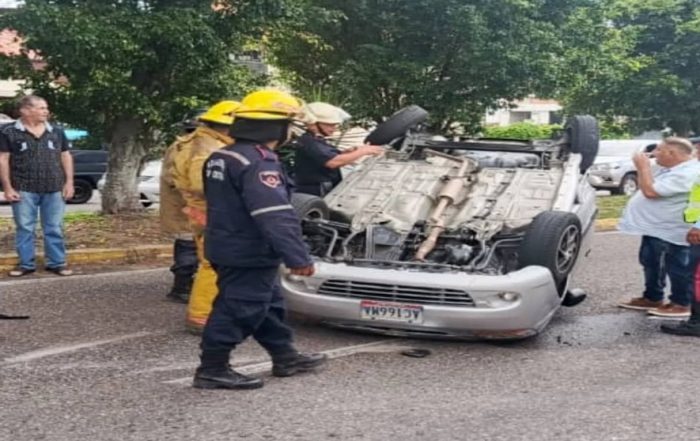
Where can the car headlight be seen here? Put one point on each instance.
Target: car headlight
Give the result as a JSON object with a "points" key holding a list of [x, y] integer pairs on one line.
{"points": [[509, 296], [600, 167]]}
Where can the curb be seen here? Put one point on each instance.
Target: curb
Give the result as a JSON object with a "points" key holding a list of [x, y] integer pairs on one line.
{"points": [[98, 255]]}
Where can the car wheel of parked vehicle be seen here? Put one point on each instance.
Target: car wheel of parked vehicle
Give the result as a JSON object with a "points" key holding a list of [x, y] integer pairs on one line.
{"points": [[397, 125], [146, 204], [628, 185], [309, 206], [553, 240], [584, 137], [83, 192]]}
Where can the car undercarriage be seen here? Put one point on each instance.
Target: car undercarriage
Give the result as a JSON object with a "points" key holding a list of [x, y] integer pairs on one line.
{"points": [[439, 206]]}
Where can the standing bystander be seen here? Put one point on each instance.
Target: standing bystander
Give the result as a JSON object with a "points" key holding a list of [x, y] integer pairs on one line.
{"points": [[656, 213], [36, 169], [691, 327]]}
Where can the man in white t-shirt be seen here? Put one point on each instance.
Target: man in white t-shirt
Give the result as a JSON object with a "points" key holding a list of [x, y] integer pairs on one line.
{"points": [[656, 213]]}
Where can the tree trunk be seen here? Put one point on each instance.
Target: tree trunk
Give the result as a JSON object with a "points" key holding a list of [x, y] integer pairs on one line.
{"points": [[126, 152]]}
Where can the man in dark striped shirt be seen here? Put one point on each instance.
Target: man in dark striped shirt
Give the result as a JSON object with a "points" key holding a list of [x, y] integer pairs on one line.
{"points": [[36, 169]]}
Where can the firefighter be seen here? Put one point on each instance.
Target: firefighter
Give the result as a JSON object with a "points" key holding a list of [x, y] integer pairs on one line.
{"points": [[317, 162], [251, 229], [173, 221], [186, 171]]}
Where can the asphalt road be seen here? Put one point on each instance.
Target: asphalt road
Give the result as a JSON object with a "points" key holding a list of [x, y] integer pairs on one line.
{"points": [[105, 358]]}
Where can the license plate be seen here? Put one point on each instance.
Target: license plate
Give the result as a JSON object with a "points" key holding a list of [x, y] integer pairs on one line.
{"points": [[393, 312]]}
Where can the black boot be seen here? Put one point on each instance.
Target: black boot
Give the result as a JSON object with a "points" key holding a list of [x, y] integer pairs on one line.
{"points": [[295, 362], [214, 372], [690, 328], [180, 292]]}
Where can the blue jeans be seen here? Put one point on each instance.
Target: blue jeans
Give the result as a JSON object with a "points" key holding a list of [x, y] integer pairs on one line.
{"points": [[51, 207], [660, 258]]}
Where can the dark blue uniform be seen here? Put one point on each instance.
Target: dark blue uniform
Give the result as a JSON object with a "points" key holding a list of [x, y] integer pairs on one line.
{"points": [[310, 171], [251, 229]]}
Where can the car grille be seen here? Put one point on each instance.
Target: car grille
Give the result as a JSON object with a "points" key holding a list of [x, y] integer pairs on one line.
{"points": [[395, 293]]}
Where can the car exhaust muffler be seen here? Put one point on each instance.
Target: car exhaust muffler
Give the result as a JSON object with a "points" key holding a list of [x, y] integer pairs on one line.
{"points": [[448, 195]]}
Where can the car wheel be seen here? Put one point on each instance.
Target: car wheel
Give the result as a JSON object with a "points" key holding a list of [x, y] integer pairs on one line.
{"points": [[397, 125], [553, 240], [309, 206], [628, 185], [146, 204], [83, 192], [583, 136]]}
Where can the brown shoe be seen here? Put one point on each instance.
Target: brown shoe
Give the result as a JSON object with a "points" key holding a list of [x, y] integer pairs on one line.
{"points": [[640, 304], [670, 310]]}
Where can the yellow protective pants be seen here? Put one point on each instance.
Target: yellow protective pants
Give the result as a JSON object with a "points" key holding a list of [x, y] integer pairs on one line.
{"points": [[204, 288]]}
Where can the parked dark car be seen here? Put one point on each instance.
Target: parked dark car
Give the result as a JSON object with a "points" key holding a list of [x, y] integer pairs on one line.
{"points": [[90, 166]]}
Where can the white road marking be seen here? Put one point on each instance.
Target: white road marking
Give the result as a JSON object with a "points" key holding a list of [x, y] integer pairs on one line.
{"points": [[63, 349], [78, 277], [257, 368]]}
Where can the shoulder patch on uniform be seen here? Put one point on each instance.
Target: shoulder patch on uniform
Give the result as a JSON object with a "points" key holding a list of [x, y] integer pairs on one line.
{"points": [[270, 178], [214, 169]]}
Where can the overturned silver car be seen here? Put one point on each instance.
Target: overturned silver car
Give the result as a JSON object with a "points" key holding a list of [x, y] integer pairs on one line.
{"points": [[465, 238]]}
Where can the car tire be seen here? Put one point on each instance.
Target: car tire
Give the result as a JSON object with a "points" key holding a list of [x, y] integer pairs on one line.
{"points": [[628, 185], [309, 206], [553, 240], [146, 204], [83, 192], [583, 135], [397, 125]]}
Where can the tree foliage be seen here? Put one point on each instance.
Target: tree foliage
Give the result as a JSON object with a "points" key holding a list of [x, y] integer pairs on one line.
{"points": [[456, 58], [522, 130], [640, 60], [127, 70]]}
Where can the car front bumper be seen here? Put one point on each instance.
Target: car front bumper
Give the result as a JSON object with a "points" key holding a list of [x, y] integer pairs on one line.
{"points": [[532, 301]]}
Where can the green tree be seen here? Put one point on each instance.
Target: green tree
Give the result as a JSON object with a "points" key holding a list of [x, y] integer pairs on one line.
{"points": [[639, 59], [456, 58], [126, 70]]}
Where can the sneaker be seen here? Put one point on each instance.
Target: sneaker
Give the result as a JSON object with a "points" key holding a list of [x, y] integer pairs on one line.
{"points": [[294, 363], [224, 379], [19, 272], [684, 328], [640, 304], [670, 310]]}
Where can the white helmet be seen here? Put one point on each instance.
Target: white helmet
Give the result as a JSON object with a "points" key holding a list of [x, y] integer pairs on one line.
{"points": [[319, 112]]}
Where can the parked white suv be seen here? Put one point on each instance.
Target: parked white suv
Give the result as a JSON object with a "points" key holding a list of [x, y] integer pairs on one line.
{"points": [[613, 168]]}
